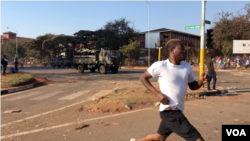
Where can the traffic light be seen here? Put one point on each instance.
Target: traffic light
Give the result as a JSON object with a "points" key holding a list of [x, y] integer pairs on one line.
{"points": [[209, 39]]}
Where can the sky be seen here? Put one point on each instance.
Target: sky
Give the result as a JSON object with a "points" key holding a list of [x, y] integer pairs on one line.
{"points": [[34, 18]]}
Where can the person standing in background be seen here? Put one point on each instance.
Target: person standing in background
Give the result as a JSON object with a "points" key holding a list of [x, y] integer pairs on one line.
{"points": [[4, 62]]}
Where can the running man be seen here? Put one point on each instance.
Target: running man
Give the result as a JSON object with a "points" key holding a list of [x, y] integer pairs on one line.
{"points": [[174, 76]]}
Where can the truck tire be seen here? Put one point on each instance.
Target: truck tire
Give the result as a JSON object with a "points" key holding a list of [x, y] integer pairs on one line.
{"points": [[103, 69], [59, 66], [80, 69], [92, 70], [114, 70], [69, 66]]}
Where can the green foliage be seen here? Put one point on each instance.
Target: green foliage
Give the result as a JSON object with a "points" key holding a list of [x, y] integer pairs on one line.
{"points": [[20, 79], [131, 50], [114, 34], [229, 27], [9, 49]]}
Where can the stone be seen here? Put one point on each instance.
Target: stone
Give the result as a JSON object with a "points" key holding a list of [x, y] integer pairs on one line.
{"points": [[72, 81], [115, 91], [12, 111], [128, 107]]}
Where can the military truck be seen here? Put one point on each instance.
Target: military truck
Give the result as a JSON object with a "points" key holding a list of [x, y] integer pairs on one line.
{"points": [[103, 60], [60, 62]]}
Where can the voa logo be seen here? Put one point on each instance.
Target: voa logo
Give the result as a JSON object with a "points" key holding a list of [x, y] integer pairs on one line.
{"points": [[236, 132]]}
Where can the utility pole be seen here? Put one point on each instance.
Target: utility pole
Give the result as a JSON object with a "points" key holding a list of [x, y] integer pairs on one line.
{"points": [[202, 37]]}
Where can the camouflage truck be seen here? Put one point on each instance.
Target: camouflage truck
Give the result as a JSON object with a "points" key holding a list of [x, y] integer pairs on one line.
{"points": [[103, 60], [60, 62]]}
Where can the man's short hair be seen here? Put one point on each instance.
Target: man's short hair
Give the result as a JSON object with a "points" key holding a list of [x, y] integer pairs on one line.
{"points": [[173, 43], [4, 56]]}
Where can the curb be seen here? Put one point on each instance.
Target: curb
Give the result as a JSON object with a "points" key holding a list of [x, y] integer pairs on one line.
{"points": [[22, 88]]}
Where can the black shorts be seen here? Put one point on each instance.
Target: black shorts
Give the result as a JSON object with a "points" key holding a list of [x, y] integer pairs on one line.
{"points": [[175, 121]]}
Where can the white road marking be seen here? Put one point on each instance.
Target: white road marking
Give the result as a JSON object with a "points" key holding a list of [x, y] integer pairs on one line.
{"points": [[74, 95], [67, 124], [47, 95], [25, 95], [45, 113]]}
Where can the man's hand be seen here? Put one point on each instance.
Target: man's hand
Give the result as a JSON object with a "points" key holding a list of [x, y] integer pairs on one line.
{"points": [[203, 78], [163, 98]]}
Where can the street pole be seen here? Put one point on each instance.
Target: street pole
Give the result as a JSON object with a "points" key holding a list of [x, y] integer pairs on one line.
{"points": [[148, 35], [159, 55], [202, 38]]}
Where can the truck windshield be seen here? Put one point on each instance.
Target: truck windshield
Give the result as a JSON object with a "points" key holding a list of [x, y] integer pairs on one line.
{"points": [[115, 53]]}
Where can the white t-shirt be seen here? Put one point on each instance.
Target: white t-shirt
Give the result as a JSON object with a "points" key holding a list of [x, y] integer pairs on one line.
{"points": [[173, 81]]}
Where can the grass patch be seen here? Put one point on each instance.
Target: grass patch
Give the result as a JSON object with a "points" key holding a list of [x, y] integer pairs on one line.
{"points": [[17, 79]]}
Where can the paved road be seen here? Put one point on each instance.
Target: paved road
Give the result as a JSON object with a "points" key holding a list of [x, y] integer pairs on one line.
{"points": [[61, 94]]}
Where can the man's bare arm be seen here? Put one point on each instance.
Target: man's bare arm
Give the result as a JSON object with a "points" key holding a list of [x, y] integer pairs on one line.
{"points": [[145, 81], [195, 85]]}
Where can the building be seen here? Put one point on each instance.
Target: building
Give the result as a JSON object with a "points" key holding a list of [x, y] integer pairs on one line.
{"points": [[163, 33], [12, 36]]}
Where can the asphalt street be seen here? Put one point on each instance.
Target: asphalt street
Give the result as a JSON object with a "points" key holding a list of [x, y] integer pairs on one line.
{"points": [[62, 94]]}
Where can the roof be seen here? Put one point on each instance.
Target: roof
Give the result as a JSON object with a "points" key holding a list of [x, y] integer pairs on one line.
{"points": [[156, 30], [168, 30], [8, 32]]}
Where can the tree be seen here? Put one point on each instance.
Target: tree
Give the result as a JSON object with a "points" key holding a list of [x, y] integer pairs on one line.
{"points": [[9, 49], [131, 51], [114, 34], [229, 27]]}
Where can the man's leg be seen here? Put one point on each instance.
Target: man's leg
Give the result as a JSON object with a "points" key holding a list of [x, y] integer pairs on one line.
{"points": [[4, 69], [200, 139], [214, 80], [182, 127], [209, 80], [154, 137], [16, 69]]}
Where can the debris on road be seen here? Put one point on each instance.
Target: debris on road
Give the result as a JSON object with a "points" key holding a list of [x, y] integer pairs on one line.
{"points": [[128, 107], [81, 127], [203, 97], [72, 81], [156, 104], [232, 88], [115, 91], [12, 111]]}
